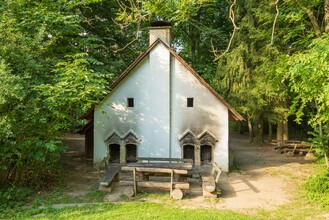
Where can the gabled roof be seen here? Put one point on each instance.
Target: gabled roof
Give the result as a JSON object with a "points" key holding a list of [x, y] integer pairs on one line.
{"points": [[233, 113]]}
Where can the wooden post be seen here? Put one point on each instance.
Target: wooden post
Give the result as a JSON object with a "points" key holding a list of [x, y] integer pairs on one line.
{"points": [[129, 191], [177, 194], [134, 178], [285, 134], [171, 181]]}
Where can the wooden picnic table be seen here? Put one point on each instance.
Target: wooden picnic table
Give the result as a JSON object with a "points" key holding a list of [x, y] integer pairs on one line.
{"points": [[144, 170], [292, 147]]}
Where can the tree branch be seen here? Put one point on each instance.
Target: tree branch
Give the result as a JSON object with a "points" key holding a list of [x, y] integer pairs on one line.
{"points": [[231, 17], [326, 16], [275, 19]]}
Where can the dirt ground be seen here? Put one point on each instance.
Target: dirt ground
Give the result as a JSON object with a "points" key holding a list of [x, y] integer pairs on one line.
{"points": [[262, 178]]}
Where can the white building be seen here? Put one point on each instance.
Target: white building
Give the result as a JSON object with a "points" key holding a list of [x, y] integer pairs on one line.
{"points": [[159, 107]]}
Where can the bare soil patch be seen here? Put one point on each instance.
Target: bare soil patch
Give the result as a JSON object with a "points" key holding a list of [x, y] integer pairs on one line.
{"points": [[262, 179]]}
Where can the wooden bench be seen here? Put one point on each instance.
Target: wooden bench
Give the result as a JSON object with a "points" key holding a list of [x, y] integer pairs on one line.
{"points": [[111, 174], [171, 163], [292, 147], [209, 181]]}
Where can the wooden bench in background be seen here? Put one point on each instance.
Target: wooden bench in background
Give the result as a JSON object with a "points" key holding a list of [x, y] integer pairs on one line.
{"points": [[209, 181], [292, 147]]}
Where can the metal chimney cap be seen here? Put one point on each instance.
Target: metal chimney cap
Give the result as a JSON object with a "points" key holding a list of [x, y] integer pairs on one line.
{"points": [[160, 23]]}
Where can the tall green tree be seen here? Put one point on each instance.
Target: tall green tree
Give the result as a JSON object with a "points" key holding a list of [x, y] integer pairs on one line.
{"points": [[242, 72], [54, 64], [305, 70]]}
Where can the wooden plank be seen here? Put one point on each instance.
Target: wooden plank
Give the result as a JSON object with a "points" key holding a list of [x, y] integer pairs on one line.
{"points": [[217, 169], [134, 179], [153, 170], [165, 159], [178, 166], [155, 184], [107, 178], [206, 194]]}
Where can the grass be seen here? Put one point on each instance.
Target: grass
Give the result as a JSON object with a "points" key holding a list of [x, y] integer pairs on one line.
{"points": [[61, 195], [161, 206], [300, 208], [302, 205], [128, 211]]}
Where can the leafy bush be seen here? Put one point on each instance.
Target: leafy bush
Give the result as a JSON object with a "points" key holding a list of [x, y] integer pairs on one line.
{"points": [[318, 188], [14, 197]]}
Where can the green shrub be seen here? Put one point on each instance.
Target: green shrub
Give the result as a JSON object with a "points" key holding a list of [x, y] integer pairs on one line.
{"points": [[13, 197], [317, 188]]}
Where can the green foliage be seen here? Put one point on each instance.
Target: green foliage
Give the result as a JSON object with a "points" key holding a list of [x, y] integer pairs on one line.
{"points": [[244, 75], [320, 142], [46, 83], [200, 27], [13, 198], [76, 86], [307, 74], [318, 188]]}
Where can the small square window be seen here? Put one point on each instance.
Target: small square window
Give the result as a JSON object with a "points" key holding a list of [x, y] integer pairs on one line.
{"points": [[130, 102], [190, 102]]}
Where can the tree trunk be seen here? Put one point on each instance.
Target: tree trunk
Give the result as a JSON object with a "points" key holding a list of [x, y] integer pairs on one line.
{"points": [[285, 133], [326, 16], [251, 137], [326, 153], [270, 132], [240, 131], [279, 131], [314, 21], [260, 130]]}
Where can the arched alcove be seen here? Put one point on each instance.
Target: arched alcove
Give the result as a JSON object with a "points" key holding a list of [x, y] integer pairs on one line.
{"points": [[188, 152], [131, 153], [114, 153], [206, 154]]}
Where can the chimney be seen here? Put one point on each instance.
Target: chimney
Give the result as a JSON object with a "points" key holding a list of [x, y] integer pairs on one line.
{"points": [[162, 30]]}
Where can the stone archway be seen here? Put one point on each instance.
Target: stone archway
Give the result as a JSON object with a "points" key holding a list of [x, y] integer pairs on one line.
{"points": [[206, 154], [207, 142], [129, 155], [189, 152], [189, 143], [114, 148], [114, 153]]}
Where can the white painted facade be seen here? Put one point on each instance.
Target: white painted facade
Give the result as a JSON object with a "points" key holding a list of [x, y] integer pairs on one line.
{"points": [[160, 119]]}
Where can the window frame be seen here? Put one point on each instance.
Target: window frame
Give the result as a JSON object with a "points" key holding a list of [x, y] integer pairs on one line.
{"points": [[190, 102], [130, 102]]}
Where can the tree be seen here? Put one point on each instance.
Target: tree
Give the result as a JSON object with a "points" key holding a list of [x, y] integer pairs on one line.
{"points": [[305, 69], [243, 71], [40, 45]]}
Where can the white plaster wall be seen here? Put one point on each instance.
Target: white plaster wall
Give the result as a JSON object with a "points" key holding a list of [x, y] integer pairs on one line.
{"points": [[208, 114], [148, 84]]}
